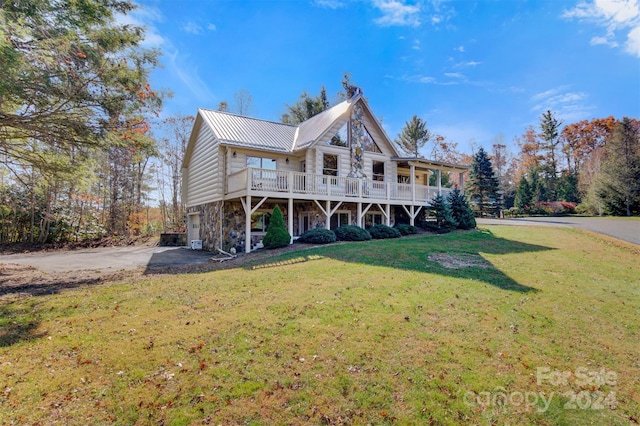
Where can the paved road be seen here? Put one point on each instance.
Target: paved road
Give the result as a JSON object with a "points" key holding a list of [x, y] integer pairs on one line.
{"points": [[623, 229], [109, 259]]}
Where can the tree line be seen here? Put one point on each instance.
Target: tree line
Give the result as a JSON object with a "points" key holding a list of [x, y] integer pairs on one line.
{"points": [[81, 141]]}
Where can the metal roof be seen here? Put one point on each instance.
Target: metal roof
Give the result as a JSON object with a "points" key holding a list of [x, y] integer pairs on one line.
{"points": [[423, 162], [310, 130], [249, 132]]}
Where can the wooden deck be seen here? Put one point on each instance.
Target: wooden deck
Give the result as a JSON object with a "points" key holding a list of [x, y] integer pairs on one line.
{"points": [[297, 185]]}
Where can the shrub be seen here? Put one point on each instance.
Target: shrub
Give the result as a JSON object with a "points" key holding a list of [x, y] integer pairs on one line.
{"points": [[405, 229], [460, 210], [318, 236], [277, 234], [380, 232], [441, 209], [351, 233]]}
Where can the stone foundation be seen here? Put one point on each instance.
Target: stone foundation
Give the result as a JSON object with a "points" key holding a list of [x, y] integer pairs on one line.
{"points": [[229, 217]]}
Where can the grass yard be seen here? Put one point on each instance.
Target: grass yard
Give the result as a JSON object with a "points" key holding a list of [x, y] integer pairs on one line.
{"points": [[507, 325]]}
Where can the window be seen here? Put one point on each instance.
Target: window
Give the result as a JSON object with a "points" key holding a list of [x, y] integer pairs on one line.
{"points": [[378, 170], [371, 219], [404, 179], [260, 221], [261, 163], [340, 138], [369, 143], [330, 165], [339, 218]]}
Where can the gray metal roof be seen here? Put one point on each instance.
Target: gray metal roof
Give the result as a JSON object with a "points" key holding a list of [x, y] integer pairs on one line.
{"points": [[249, 132], [310, 130]]}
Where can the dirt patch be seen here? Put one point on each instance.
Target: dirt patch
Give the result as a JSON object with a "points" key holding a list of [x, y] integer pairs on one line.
{"points": [[460, 260]]}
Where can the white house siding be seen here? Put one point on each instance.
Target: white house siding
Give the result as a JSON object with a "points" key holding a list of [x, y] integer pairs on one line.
{"points": [[203, 181]]}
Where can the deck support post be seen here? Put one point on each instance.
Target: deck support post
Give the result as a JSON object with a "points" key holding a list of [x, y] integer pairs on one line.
{"points": [[290, 218]]}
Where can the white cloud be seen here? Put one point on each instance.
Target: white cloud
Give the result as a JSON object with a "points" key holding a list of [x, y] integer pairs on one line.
{"points": [[633, 42], [397, 13], [329, 4], [569, 106], [467, 64], [192, 28], [459, 49], [595, 41], [189, 77], [211, 27], [615, 16], [416, 45], [454, 75]]}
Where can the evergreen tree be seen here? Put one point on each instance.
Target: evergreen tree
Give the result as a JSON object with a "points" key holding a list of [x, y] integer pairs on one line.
{"points": [[71, 73], [567, 189], [461, 211], [443, 214], [306, 107], [414, 136], [618, 184], [483, 185], [277, 234], [538, 187], [524, 196]]}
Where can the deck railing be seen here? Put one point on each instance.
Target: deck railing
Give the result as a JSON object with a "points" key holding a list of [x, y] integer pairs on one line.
{"points": [[265, 180]]}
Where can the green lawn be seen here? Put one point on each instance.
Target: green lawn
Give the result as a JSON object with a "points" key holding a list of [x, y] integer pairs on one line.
{"points": [[537, 325]]}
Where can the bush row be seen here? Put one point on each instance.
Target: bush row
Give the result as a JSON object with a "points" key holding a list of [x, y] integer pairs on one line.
{"points": [[355, 233]]}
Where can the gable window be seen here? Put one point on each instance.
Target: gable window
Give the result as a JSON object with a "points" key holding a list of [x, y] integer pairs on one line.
{"points": [[378, 171], [369, 143], [340, 138], [330, 165]]}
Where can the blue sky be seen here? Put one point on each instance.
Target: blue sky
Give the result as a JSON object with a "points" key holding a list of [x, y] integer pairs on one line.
{"points": [[474, 70]]}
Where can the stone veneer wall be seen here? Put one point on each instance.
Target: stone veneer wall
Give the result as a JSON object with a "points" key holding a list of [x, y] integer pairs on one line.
{"points": [[232, 222]]}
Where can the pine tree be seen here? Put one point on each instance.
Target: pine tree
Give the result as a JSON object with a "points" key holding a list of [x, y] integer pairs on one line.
{"points": [[524, 196], [461, 211], [277, 234], [618, 184], [414, 136], [483, 185], [443, 214]]}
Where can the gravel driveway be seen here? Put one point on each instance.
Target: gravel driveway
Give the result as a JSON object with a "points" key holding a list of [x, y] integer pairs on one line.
{"points": [[622, 229]]}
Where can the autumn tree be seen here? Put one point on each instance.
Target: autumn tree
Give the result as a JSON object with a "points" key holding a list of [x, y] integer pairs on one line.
{"points": [[530, 155], [482, 187], [414, 136], [581, 139]]}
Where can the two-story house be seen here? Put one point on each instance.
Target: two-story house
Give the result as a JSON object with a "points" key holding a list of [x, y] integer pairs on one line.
{"points": [[338, 167]]}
